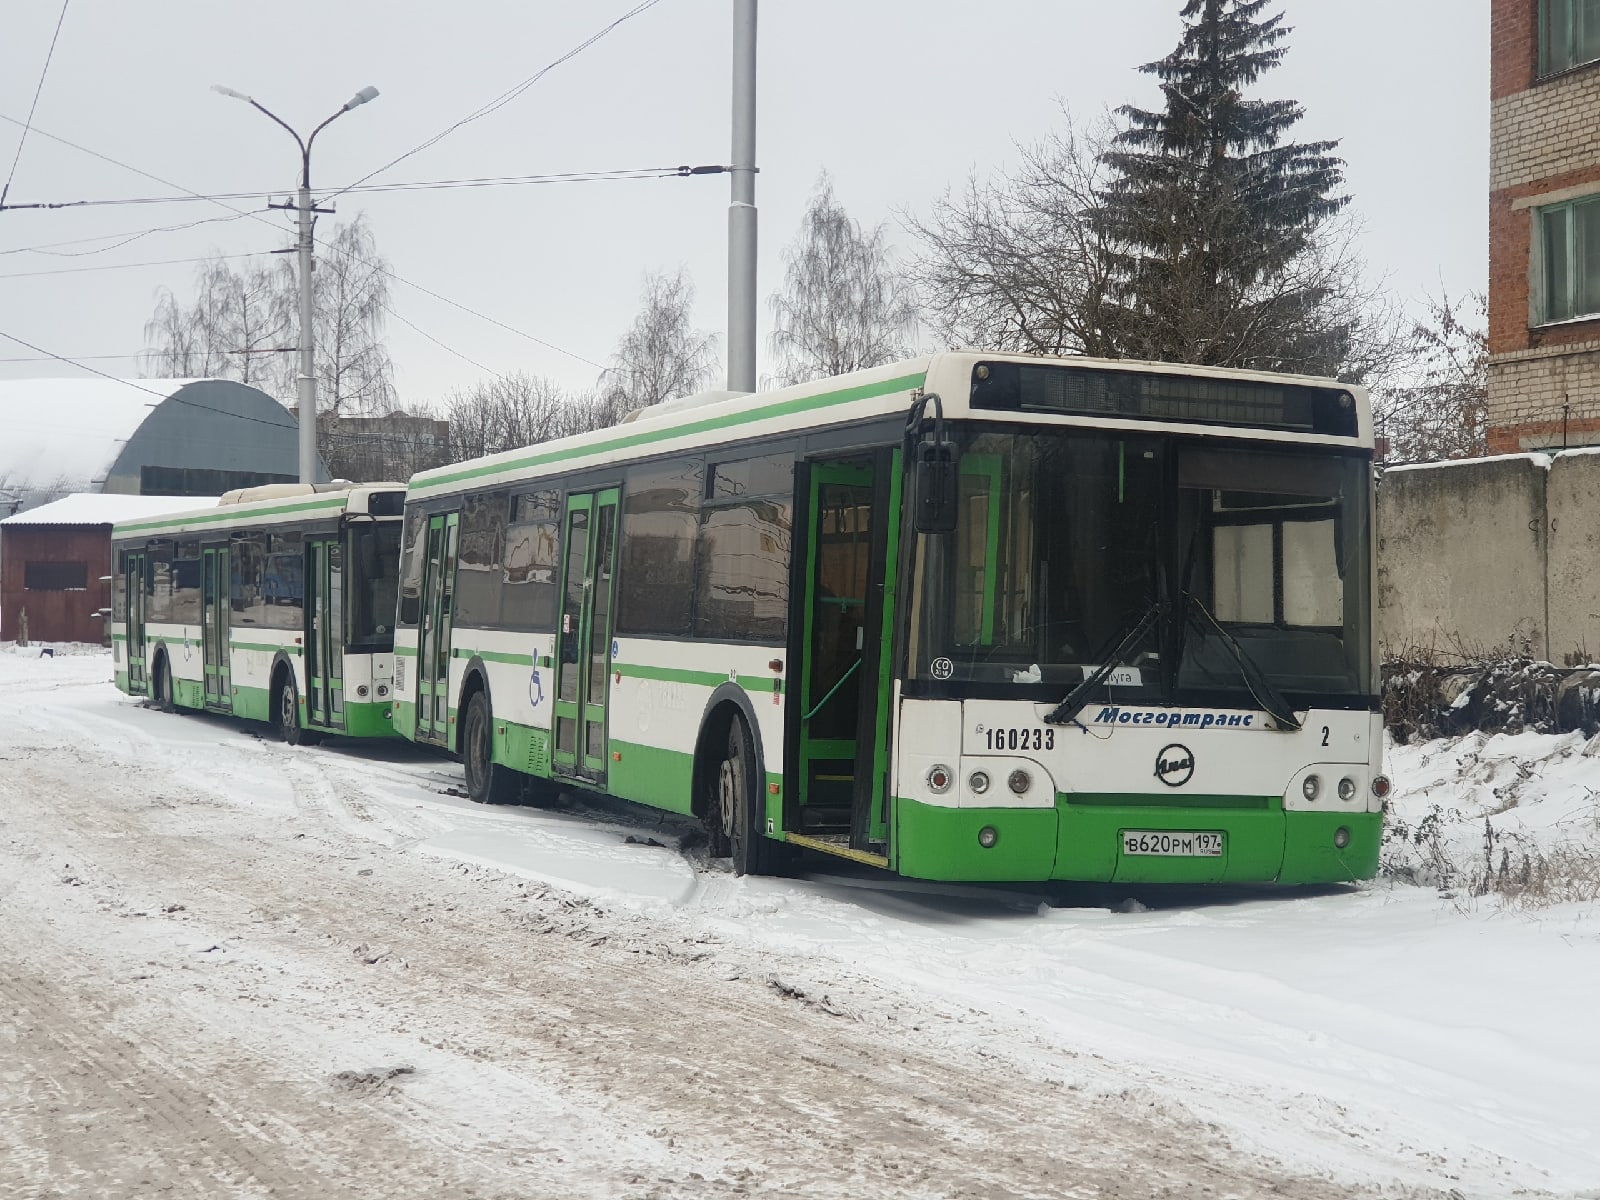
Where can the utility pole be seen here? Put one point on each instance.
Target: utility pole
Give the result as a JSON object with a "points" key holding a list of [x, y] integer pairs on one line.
{"points": [[306, 380], [742, 209]]}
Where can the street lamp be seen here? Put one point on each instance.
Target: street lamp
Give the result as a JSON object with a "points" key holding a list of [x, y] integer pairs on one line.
{"points": [[307, 381]]}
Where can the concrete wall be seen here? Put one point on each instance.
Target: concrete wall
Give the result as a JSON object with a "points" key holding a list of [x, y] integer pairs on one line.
{"points": [[1462, 556], [1493, 553], [1573, 506]]}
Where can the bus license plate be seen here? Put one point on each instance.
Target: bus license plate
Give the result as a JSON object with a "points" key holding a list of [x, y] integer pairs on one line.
{"points": [[1167, 844]]}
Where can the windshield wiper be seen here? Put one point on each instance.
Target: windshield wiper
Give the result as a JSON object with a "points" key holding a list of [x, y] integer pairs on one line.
{"points": [[1079, 696], [1267, 697]]}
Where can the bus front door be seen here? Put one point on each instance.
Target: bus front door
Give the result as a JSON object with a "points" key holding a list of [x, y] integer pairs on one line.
{"points": [[842, 710], [215, 612], [583, 636], [433, 647], [133, 580], [325, 632]]}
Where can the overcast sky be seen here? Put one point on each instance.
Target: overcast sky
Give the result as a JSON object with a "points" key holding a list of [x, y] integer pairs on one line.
{"points": [[897, 101]]}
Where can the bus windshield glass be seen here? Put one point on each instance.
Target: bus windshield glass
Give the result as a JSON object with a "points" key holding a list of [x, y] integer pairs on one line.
{"points": [[374, 578], [1173, 556]]}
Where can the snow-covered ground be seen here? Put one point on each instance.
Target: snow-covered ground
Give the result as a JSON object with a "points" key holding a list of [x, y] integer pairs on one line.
{"points": [[1400, 1038]]}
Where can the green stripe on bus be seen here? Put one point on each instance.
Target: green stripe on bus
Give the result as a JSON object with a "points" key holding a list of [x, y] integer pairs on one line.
{"points": [[229, 513], [406, 651], [264, 647], [515, 660], [709, 679], [427, 481]]}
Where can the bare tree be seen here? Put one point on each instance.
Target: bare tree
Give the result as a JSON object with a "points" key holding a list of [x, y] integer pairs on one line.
{"points": [[242, 325], [662, 355], [518, 410], [350, 295], [1022, 263], [843, 305], [241, 321], [1441, 412]]}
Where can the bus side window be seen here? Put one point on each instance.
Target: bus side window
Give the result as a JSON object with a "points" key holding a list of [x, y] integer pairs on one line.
{"points": [[412, 554]]}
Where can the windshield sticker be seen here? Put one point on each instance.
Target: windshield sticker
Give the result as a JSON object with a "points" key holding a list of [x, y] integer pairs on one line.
{"points": [[942, 668]]}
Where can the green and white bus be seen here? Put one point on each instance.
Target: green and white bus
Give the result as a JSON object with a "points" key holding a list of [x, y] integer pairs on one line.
{"points": [[969, 617], [276, 604]]}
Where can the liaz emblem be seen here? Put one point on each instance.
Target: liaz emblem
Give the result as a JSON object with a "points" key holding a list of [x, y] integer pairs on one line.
{"points": [[1175, 765]]}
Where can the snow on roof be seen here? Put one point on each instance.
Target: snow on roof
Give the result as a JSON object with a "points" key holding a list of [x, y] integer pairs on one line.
{"points": [[97, 508], [70, 430]]}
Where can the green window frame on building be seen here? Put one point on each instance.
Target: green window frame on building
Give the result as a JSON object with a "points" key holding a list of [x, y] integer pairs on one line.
{"points": [[1569, 256], [1569, 34]]}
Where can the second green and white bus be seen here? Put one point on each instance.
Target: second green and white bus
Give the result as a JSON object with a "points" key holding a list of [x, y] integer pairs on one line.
{"points": [[276, 604], [969, 617]]}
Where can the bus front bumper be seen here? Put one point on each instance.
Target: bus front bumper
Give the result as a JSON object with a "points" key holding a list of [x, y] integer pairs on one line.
{"points": [[1081, 839]]}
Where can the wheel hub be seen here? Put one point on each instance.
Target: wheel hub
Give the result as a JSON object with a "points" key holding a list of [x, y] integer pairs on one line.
{"points": [[727, 794]]}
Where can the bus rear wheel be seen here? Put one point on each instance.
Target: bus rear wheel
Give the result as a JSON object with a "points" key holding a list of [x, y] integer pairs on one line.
{"points": [[488, 782], [737, 817]]}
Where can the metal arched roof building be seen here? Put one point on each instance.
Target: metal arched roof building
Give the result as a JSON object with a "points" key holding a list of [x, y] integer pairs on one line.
{"points": [[170, 437]]}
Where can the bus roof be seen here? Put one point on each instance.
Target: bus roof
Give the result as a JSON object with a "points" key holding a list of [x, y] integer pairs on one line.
{"points": [[689, 423], [281, 503]]}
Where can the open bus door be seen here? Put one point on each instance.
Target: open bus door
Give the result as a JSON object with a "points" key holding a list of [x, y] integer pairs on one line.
{"points": [[433, 647], [216, 609], [583, 637], [841, 743]]}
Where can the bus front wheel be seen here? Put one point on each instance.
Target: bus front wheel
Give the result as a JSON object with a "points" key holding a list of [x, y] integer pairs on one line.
{"points": [[737, 828], [488, 782], [289, 725]]}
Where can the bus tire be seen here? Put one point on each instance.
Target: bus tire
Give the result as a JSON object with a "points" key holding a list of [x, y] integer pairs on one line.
{"points": [[488, 782], [287, 708], [162, 685], [739, 805]]}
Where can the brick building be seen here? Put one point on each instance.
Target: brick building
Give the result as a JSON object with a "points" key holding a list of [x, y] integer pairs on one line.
{"points": [[1544, 225]]}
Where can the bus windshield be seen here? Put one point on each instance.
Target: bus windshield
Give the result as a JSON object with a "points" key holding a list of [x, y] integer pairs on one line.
{"points": [[374, 578], [1174, 556]]}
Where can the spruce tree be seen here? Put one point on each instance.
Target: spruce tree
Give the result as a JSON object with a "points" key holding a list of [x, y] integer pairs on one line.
{"points": [[1213, 218]]}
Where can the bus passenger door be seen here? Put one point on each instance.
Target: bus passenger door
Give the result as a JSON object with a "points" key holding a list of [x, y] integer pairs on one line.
{"points": [[433, 646], [583, 636], [133, 579], [324, 631], [215, 610], [842, 709]]}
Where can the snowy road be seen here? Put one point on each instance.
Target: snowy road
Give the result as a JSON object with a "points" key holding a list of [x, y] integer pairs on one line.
{"points": [[228, 968]]}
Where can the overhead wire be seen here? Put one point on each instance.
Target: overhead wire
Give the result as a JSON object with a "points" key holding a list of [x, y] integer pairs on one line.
{"points": [[506, 97], [37, 91], [133, 383], [164, 262], [428, 185]]}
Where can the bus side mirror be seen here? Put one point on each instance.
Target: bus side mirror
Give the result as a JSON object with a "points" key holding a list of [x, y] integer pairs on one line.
{"points": [[937, 487]]}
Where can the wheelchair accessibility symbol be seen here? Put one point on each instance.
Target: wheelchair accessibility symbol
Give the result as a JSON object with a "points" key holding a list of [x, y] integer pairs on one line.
{"points": [[535, 689]]}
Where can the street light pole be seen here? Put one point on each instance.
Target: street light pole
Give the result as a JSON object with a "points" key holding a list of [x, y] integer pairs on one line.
{"points": [[307, 379], [742, 205]]}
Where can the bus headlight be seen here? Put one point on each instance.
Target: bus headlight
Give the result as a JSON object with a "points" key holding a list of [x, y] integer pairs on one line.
{"points": [[361, 690], [1019, 781], [383, 690], [1341, 837], [978, 781], [1312, 787], [1380, 786], [1347, 789], [939, 780], [988, 836]]}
